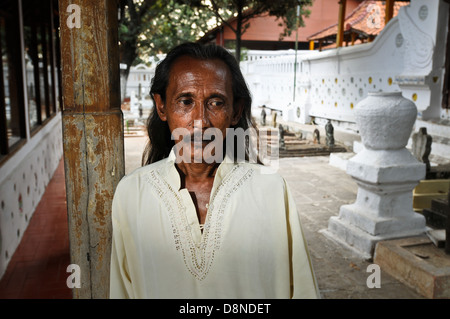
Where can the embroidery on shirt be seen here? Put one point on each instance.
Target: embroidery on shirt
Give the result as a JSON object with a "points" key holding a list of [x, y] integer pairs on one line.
{"points": [[198, 257]]}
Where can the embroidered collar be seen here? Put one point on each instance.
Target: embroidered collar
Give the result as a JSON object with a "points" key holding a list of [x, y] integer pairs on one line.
{"points": [[173, 177], [198, 254]]}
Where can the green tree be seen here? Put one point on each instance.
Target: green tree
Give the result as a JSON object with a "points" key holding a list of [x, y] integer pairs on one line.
{"points": [[244, 10], [131, 14], [176, 23], [151, 27]]}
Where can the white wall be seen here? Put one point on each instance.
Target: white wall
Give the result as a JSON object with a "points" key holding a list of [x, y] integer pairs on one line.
{"points": [[23, 179], [408, 56], [139, 75]]}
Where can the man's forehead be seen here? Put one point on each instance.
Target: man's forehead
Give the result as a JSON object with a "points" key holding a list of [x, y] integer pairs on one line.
{"points": [[188, 69], [185, 62]]}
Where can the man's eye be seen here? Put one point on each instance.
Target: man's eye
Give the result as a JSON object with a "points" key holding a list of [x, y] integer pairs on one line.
{"points": [[185, 102], [216, 103]]}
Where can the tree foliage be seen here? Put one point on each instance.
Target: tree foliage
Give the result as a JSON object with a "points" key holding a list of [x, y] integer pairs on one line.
{"points": [[151, 27], [176, 24]]}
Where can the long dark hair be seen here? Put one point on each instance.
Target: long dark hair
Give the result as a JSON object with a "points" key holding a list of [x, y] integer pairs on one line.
{"points": [[160, 142]]}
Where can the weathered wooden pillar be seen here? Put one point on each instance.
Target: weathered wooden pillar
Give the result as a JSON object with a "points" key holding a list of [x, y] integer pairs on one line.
{"points": [[93, 135], [341, 21]]}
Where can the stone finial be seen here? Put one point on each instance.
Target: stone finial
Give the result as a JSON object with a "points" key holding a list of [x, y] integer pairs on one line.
{"points": [[385, 120], [386, 173]]}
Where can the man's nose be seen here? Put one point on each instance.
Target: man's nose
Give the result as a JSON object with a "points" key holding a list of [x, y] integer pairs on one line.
{"points": [[200, 117]]}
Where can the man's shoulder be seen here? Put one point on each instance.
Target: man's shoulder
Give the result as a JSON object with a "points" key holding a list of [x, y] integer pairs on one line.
{"points": [[264, 173], [141, 172]]}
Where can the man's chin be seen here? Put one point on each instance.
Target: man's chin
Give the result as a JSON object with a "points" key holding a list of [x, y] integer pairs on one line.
{"points": [[205, 151], [198, 158]]}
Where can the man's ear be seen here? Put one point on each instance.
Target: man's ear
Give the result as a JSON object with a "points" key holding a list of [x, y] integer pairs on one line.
{"points": [[160, 107], [237, 111]]}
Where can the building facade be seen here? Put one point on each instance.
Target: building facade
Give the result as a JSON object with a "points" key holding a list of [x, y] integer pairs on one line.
{"points": [[263, 32]]}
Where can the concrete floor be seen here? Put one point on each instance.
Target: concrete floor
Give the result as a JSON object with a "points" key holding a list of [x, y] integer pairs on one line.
{"points": [[320, 190]]}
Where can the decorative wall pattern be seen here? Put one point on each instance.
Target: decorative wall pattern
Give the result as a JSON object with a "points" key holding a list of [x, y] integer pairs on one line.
{"points": [[330, 83], [22, 189]]}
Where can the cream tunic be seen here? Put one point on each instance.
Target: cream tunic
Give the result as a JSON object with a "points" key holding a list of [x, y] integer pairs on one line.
{"points": [[252, 245]]}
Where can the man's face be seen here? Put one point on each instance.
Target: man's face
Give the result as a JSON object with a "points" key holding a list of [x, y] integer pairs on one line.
{"points": [[199, 96]]}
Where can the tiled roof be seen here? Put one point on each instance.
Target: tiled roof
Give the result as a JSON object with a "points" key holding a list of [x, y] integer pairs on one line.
{"points": [[366, 21]]}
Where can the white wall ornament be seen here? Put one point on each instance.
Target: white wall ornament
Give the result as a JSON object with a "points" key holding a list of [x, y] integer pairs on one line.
{"points": [[419, 79], [423, 12], [399, 40], [419, 45], [386, 173], [374, 18]]}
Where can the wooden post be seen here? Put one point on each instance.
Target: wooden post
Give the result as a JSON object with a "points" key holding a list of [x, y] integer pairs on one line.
{"points": [[353, 38], [447, 228], [93, 135], [341, 21], [389, 11]]}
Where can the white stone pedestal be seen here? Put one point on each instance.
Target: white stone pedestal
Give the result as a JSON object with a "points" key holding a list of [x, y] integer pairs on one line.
{"points": [[386, 174]]}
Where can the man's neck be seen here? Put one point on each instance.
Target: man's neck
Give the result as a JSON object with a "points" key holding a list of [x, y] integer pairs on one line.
{"points": [[197, 172]]}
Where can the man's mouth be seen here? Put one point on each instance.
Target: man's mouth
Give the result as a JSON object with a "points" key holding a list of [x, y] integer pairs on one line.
{"points": [[199, 138]]}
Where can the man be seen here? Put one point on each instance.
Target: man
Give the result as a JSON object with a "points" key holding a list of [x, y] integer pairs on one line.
{"points": [[200, 223], [263, 116]]}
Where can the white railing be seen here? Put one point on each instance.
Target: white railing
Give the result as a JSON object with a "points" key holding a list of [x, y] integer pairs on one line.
{"points": [[253, 55]]}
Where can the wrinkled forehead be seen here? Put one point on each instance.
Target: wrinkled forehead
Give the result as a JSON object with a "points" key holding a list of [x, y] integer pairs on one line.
{"points": [[190, 68]]}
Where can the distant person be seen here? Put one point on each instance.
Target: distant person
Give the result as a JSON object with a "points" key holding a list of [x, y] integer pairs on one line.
{"points": [[141, 111], [226, 228], [263, 115]]}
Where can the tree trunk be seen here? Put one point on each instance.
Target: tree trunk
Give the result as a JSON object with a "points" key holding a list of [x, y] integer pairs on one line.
{"points": [[239, 32], [128, 54]]}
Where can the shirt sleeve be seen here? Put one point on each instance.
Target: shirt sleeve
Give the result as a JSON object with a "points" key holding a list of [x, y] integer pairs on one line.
{"points": [[120, 282], [303, 279]]}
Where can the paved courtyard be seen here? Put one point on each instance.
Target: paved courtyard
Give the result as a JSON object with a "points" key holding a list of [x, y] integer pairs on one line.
{"points": [[319, 190]]}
